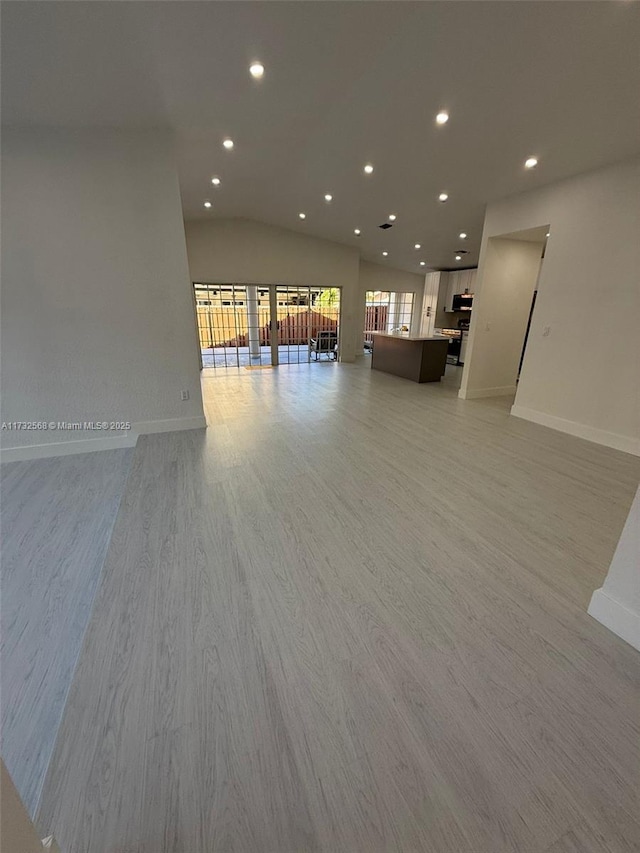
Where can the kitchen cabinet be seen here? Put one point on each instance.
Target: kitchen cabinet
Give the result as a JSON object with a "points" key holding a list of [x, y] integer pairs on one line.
{"points": [[463, 347], [433, 281], [457, 282], [450, 283]]}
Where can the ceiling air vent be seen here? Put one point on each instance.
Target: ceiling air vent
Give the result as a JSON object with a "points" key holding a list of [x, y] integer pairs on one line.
{"points": [[385, 225]]}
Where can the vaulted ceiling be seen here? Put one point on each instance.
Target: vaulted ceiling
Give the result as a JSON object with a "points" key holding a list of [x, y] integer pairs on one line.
{"points": [[345, 83]]}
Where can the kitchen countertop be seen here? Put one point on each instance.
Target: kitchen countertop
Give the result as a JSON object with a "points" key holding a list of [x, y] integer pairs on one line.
{"points": [[405, 336]]}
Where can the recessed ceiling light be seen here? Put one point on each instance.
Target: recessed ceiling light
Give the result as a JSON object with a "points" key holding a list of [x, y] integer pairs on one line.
{"points": [[228, 144], [443, 197], [302, 215], [392, 217], [417, 246], [548, 233], [385, 254], [442, 117], [531, 162], [215, 181], [328, 197], [207, 204], [463, 235], [458, 257], [256, 69], [368, 169], [356, 231], [423, 263]]}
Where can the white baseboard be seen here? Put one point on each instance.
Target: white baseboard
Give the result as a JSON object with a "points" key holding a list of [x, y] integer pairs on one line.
{"points": [[169, 425], [616, 617], [478, 393], [90, 445], [67, 448], [598, 436]]}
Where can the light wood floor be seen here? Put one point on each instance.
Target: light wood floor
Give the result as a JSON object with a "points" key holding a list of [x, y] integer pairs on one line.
{"points": [[350, 618], [57, 517]]}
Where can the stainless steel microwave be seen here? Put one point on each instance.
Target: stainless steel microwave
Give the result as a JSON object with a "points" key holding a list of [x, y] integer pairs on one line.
{"points": [[462, 302]]}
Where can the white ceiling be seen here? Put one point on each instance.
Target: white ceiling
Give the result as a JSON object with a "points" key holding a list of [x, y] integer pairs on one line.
{"points": [[345, 83]]}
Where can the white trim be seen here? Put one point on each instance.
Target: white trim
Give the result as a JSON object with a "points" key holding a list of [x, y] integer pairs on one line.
{"points": [[477, 393], [598, 436], [169, 425], [616, 617], [67, 448], [91, 445]]}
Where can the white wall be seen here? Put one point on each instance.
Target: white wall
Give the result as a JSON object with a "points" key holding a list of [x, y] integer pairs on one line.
{"points": [[617, 603], [97, 315], [244, 251], [499, 317], [380, 277], [583, 377]]}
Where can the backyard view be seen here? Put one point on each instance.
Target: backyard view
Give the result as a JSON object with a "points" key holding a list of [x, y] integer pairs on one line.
{"points": [[235, 328], [235, 323]]}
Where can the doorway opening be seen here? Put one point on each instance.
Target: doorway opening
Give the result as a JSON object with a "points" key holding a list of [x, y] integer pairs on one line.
{"points": [[254, 326], [504, 313], [526, 334], [386, 311]]}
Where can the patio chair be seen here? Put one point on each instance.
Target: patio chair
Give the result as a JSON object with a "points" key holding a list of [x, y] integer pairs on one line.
{"points": [[325, 341]]}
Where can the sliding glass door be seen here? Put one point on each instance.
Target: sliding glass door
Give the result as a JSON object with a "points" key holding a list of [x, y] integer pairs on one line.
{"points": [[260, 326]]}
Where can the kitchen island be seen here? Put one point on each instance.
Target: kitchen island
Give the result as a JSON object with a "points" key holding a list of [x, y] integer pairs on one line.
{"points": [[417, 358]]}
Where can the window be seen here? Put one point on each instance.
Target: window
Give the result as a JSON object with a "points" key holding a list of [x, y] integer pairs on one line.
{"points": [[387, 312]]}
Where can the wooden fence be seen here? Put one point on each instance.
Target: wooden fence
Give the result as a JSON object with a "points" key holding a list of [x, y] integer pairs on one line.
{"points": [[228, 326], [375, 319]]}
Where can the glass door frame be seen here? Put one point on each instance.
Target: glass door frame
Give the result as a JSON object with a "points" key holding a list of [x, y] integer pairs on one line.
{"points": [[274, 320]]}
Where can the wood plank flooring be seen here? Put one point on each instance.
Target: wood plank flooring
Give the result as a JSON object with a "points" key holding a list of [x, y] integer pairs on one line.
{"points": [[57, 517], [350, 618]]}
